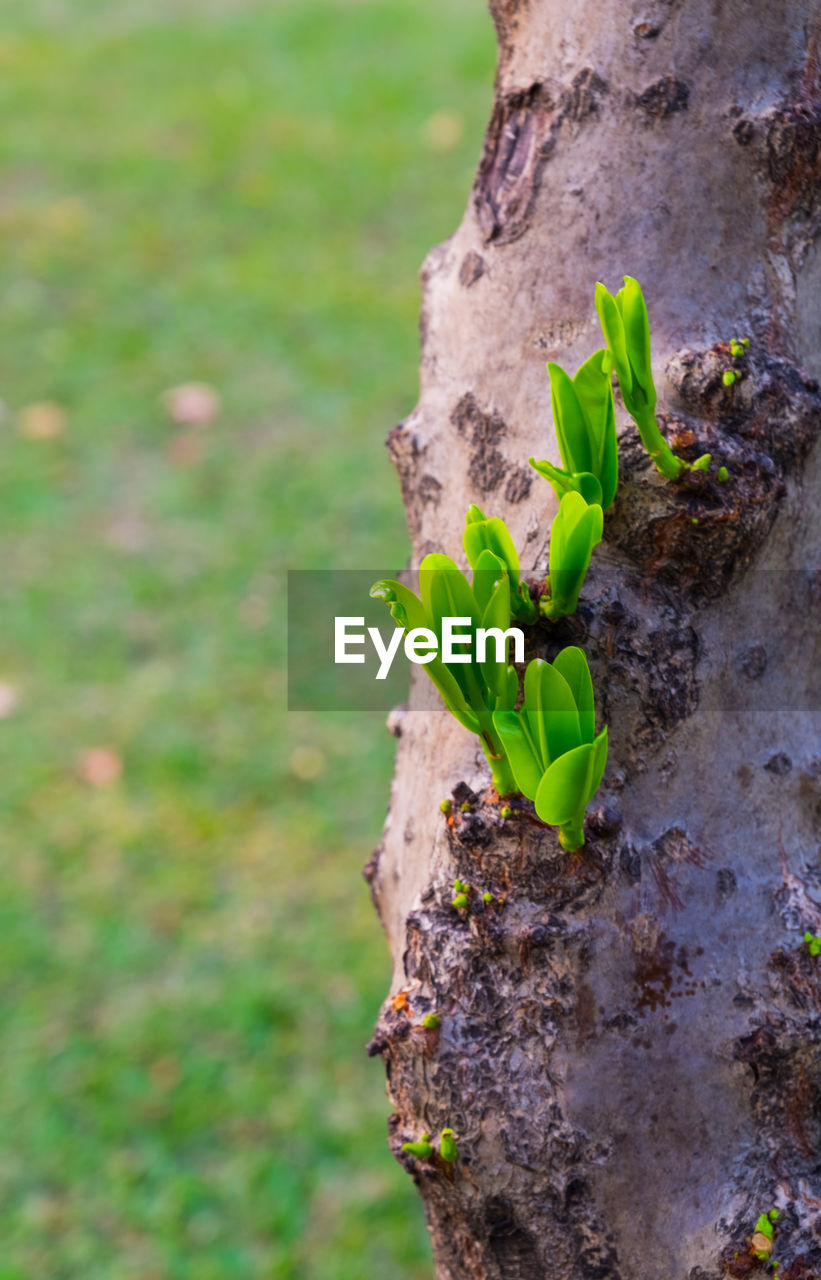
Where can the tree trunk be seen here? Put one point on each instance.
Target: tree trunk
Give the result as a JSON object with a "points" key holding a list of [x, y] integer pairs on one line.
{"points": [[630, 1047]]}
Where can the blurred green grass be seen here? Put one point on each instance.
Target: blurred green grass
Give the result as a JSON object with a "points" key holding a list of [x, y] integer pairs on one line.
{"points": [[239, 193]]}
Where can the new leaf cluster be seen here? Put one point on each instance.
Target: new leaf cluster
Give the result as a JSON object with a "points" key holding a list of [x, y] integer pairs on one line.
{"points": [[547, 749]]}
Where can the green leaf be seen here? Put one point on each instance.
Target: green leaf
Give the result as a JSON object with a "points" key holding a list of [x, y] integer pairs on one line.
{"points": [[490, 534], [594, 390], [557, 707], [445, 590], [572, 664], [613, 329], [575, 532], [637, 335], [532, 710], [399, 596], [486, 573], [570, 782], [511, 691], [523, 759], [497, 614], [568, 418], [562, 790], [583, 482], [597, 766], [452, 695], [396, 593]]}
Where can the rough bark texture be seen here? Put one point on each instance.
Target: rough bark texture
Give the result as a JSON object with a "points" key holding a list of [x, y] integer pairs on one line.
{"points": [[630, 1048]]}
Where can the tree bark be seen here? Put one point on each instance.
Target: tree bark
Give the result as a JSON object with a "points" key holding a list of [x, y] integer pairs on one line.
{"points": [[630, 1047]]}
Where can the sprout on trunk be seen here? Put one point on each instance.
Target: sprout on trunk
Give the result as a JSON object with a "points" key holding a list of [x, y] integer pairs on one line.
{"points": [[556, 756], [576, 530], [585, 421], [491, 534]]}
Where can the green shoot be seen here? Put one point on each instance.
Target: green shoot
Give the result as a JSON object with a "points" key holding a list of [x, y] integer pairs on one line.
{"points": [[585, 420], [423, 1149], [470, 690], [431, 1021], [627, 334], [813, 942], [484, 534], [576, 530], [448, 1149], [556, 757], [762, 1241]]}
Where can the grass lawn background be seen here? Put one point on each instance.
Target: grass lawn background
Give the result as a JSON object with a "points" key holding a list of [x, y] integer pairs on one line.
{"points": [[239, 193]]}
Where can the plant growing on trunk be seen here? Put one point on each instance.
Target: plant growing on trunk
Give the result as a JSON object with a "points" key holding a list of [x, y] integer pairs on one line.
{"points": [[576, 530], [551, 742], [470, 690], [483, 534], [585, 420]]}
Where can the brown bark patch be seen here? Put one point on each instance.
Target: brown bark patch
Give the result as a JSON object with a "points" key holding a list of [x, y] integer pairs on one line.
{"points": [[472, 267], [518, 142], [665, 97], [519, 484], [697, 534]]}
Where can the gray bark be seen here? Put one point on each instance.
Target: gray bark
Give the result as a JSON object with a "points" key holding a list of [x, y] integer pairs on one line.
{"points": [[630, 1048]]}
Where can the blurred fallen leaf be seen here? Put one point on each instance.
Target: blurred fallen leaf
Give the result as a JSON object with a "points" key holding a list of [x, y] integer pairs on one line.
{"points": [[100, 766], [306, 763], [42, 421], [66, 217], [9, 700], [191, 404], [185, 449], [165, 1073], [444, 130]]}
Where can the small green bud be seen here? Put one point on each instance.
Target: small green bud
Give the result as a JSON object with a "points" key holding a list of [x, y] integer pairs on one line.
{"points": [[723, 474], [773, 1215], [465, 808], [460, 901], [764, 1227], [448, 1149], [728, 377], [745, 342], [446, 806], [693, 519], [702, 463], [737, 348], [487, 898], [459, 886], [808, 936], [506, 811], [423, 1149], [432, 1021]]}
